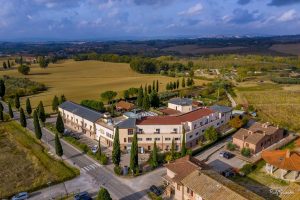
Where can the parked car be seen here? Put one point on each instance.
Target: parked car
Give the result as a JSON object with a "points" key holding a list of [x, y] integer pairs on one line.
{"points": [[226, 154], [67, 132], [228, 173], [94, 149], [20, 196], [82, 196], [155, 190], [74, 135]]}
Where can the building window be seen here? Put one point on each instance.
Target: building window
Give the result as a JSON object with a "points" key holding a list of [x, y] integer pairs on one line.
{"points": [[167, 139], [148, 139], [130, 131], [190, 136], [140, 139], [149, 148], [188, 190], [124, 139], [176, 138], [178, 187], [157, 139], [175, 130], [195, 126], [197, 133], [140, 130], [247, 145], [176, 147], [85, 125]]}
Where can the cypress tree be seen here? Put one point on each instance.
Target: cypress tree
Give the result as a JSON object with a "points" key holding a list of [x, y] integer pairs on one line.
{"points": [[134, 159], [2, 88], [10, 111], [28, 107], [41, 112], [60, 127], [62, 99], [37, 127], [103, 194], [153, 85], [177, 84], [154, 162], [99, 148], [140, 97], [149, 89], [146, 89], [55, 103], [173, 149], [183, 147], [116, 153], [22, 118], [1, 114], [146, 102], [157, 87], [4, 65], [58, 147], [154, 99], [183, 83], [8, 64], [17, 101]]}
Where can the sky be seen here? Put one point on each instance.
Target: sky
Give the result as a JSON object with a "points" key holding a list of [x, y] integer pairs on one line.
{"points": [[145, 19]]}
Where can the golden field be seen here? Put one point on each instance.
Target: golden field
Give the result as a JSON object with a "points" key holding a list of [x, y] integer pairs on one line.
{"points": [[79, 80]]}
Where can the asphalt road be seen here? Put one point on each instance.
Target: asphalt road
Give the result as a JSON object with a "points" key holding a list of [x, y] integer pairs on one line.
{"points": [[104, 178]]}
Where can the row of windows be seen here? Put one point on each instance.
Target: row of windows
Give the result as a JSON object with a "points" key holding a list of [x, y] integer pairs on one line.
{"points": [[149, 139]]}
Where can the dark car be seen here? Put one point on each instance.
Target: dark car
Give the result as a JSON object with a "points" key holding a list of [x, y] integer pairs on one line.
{"points": [[82, 196], [226, 154], [155, 190]]}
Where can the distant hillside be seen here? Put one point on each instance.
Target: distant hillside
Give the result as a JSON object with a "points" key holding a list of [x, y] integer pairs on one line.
{"points": [[277, 45]]}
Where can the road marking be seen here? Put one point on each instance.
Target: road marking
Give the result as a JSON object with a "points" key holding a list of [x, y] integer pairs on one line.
{"points": [[89, 167]]}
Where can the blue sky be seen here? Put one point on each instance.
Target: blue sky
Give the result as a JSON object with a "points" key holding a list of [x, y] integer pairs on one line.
{"points": [[142, 19]]}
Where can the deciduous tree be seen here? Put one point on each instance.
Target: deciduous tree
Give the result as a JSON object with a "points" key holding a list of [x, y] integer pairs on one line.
{"points": [[103, 194], [108, 96], [211, 134]]}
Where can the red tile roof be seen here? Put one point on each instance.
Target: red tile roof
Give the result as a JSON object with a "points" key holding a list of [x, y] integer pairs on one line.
{"points": [[124, 105], [283, 159], [175, 120]]}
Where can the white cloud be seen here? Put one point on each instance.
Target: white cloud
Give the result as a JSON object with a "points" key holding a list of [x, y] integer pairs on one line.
{"points": [[29, 17], [194, 10], [288, 16]]}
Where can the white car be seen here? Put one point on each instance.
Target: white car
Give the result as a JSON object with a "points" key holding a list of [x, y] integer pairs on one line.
{"points": [[94, 149]]}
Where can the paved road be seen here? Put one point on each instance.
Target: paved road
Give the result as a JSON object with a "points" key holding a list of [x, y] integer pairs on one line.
{"points": [[117, 187]]}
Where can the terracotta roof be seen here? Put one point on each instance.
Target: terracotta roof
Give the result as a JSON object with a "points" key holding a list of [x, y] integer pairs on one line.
{"points": [[169, 111], [283, 159], [173, 120], [211, 185], [124, 105], [184, 166], [297, 143], [255, 133]]}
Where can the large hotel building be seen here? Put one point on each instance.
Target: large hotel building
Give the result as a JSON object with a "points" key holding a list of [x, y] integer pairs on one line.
{"points": [[180, 114]]}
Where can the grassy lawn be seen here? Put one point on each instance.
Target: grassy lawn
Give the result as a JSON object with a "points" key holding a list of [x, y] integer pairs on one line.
{"points": [[275, 103], [87, 79], [24, 163]]}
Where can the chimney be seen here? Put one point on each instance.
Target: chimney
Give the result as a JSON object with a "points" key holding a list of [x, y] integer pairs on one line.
{"points": [[288, 153]]}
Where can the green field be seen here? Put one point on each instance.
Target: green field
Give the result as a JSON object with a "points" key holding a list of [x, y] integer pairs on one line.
{"points": [[87, 79], [279, 104], [24, 163]]}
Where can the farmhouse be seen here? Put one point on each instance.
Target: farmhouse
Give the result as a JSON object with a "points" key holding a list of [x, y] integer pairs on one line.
{"points": [[198, 181], [79, 118], [257, 137]]}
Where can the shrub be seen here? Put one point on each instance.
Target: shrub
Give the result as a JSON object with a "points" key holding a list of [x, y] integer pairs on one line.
{"points": [[24, 69], [118, 170], [103, 159], [95, 105], [247, 169], [230, 146], [246, 152]]}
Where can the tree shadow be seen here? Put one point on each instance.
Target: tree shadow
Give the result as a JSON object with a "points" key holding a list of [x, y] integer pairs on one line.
{"points": [[39, 74]]}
